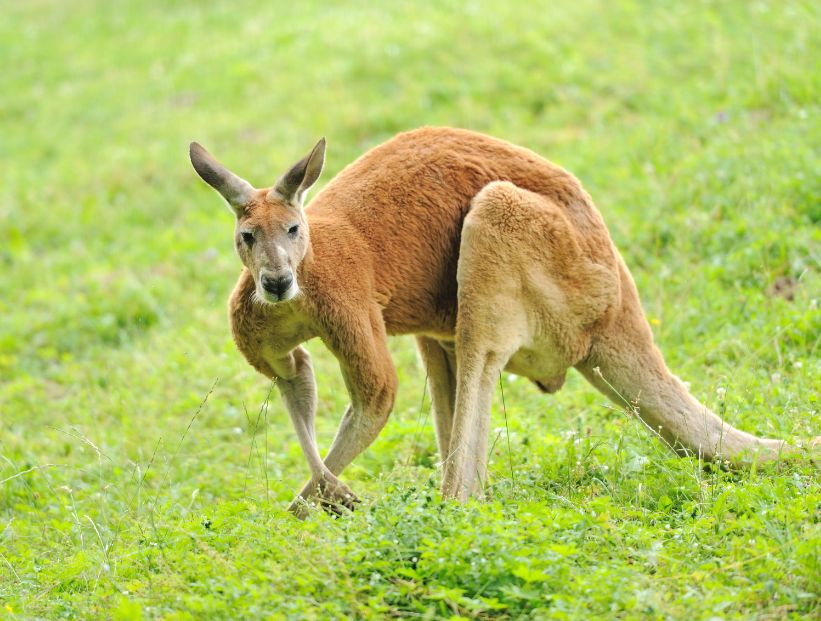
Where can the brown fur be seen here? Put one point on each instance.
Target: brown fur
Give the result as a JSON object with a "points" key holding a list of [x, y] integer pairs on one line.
{"points": [[494, 257]]}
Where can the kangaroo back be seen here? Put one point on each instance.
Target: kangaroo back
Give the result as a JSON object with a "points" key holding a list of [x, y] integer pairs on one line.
{"points": [[406, 200]]}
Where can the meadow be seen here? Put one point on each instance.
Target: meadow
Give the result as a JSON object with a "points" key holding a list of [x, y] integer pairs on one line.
{"points": [[145, 468]]}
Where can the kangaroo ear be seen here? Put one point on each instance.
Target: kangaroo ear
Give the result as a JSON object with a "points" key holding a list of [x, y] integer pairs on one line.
{"points": [[235, 191], [293, 185]]}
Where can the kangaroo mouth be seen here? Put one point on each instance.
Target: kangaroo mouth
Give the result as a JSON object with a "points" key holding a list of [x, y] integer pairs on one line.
{"points": [[276, 297]]}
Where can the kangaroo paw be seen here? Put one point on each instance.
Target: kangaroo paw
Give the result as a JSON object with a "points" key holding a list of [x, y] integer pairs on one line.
{"points": [[329, 493]]}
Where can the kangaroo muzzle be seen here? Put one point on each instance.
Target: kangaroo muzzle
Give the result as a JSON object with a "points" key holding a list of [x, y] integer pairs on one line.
{"points": [[277, 288]]}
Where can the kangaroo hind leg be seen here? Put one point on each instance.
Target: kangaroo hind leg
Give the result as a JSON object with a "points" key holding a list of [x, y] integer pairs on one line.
{"points": [[490, 326], [526, 298]]}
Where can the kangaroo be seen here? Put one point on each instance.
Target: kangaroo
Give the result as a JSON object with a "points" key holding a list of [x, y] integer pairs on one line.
{"points": [[493, 257]]}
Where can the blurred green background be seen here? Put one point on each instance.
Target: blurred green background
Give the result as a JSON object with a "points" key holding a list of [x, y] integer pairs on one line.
{"points": [[695, 127]]}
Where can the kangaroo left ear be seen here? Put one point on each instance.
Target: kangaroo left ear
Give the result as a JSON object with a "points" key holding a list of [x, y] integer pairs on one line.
{"points": [[293, 185]]}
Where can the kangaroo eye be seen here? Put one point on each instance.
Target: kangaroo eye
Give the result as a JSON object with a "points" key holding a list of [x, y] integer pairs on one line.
{"points": [[293, 230], [248, 238]]}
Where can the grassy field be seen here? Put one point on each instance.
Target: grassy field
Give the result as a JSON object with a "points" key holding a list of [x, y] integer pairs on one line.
{"points": [[145, 475]]}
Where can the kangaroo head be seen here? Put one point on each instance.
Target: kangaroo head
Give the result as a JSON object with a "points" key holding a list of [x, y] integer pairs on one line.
{"points": [[271, 233]]}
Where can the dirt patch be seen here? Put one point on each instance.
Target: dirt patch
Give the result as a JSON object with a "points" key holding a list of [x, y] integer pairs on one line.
{"points": [[783, 287]]}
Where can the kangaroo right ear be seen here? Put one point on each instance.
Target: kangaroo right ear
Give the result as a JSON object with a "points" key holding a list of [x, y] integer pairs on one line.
{"points": [[293, 185], [235, 190]]}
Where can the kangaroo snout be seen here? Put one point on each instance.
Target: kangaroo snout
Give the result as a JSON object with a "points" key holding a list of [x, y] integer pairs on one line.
{"points": [[278, 286]]}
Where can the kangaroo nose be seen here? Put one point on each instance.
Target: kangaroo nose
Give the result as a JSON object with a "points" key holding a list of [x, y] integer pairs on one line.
{"points": [[277, 286]]}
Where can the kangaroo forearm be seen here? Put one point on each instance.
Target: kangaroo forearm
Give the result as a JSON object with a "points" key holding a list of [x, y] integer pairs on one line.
{"points": [[356, 432], [362, 422], [299, 394]]}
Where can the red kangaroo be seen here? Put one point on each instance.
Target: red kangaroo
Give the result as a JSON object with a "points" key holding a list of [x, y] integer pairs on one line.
{"points": [[495, 258]]}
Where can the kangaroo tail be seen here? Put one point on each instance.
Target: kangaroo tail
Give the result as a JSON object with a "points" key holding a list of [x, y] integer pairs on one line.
{"points": [[627, 367]]}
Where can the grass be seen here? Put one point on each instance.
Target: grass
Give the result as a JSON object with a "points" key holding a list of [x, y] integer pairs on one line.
{"points": [[143, 472]]}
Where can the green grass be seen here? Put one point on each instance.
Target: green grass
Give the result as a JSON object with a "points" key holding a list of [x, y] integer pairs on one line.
{"points": [[694, 125]]}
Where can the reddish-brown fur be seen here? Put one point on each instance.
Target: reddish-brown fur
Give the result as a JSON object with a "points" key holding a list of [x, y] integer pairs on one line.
{"points": [[494, 257]]}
